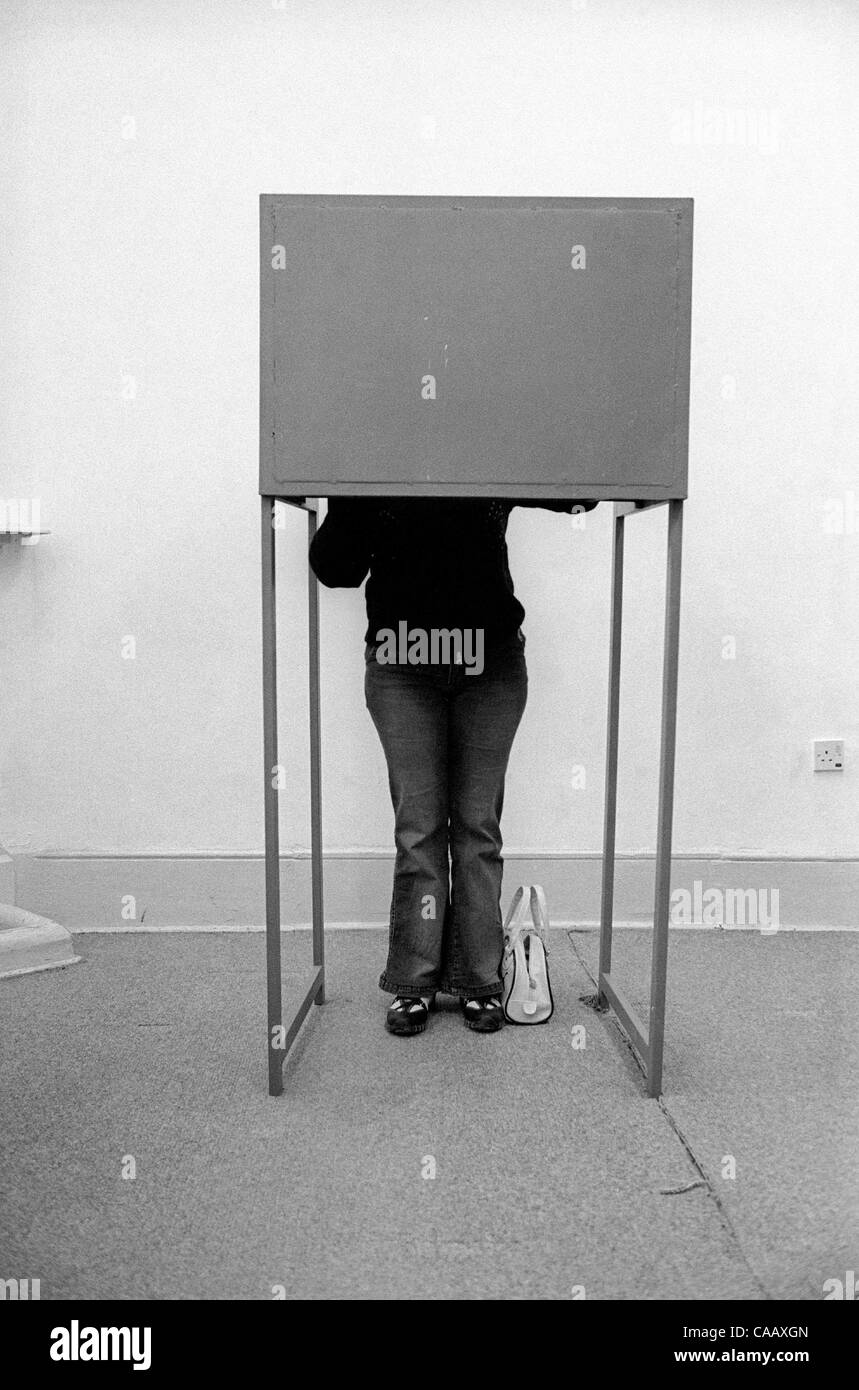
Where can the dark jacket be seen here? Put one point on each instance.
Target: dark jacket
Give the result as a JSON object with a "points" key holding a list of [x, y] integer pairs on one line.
{"points": [[433, 562]]}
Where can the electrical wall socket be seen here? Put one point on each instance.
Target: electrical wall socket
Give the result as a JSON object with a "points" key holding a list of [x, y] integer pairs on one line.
{"points": [[828, 754]]}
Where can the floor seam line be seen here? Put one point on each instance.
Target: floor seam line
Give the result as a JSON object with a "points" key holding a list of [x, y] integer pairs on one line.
{"points": [[721, 1211]]}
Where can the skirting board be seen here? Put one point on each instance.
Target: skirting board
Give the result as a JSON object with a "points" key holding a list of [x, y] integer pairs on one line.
{"points": [[162, 892]]}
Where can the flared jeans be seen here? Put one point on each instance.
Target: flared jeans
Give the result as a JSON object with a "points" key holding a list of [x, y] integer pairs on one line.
{"points": [[447, 735]]}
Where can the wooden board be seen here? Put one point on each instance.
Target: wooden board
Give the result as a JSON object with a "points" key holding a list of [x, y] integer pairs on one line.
{"points": [[462, 347]]}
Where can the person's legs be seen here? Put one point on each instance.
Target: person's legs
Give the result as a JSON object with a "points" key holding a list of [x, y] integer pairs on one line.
{"points": [[485, 713], [409, 708]]}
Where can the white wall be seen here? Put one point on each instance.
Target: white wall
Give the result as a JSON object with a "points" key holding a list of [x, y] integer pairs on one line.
{"points": [[132, 251]]}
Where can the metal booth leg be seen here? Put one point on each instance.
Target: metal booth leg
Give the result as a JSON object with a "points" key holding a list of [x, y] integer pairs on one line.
{"points": [[315, 769], [274, 1034], [610, 813], [667, 739], [648, 1040], [280, 1037]]}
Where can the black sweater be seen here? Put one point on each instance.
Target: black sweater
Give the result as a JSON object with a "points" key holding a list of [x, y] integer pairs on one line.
{"points": [[434, 562]]}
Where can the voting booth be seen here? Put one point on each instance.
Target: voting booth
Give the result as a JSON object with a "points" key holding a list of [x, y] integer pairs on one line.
{"points": [[475, 347]]}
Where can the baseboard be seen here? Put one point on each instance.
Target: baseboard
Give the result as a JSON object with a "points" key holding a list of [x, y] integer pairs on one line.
{"points": [[225, 892]]}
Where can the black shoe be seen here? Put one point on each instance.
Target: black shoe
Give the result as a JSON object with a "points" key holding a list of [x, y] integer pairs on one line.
{"points": [[407, 1016], [483, 1015]]}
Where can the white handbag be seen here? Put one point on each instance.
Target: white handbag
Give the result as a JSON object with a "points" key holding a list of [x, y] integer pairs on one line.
{"points": [[527, 994]]}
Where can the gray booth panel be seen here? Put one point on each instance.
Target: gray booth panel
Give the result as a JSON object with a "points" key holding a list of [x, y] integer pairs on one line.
{"points": [[463, 347]]}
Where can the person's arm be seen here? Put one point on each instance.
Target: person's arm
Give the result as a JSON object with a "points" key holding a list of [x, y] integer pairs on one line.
{"points": [[341, 550]]}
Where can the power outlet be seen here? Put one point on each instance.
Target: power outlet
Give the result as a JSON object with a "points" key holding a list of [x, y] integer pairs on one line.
{"points": [[828, 754]]}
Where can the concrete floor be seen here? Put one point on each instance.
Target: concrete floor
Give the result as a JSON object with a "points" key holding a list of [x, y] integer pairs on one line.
{"points": [[553, 1171]]}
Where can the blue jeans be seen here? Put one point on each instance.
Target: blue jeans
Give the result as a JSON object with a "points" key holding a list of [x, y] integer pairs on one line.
{"points": [[447, 737]]}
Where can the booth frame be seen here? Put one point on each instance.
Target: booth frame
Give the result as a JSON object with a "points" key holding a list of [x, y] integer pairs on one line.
{"points": [[647, 1039], [281, 1037]]}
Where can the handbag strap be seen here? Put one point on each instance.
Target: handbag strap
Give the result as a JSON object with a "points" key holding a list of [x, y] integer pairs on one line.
{"points": [[515, 926], [533, 896], [516, 910], [540, 914]]}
